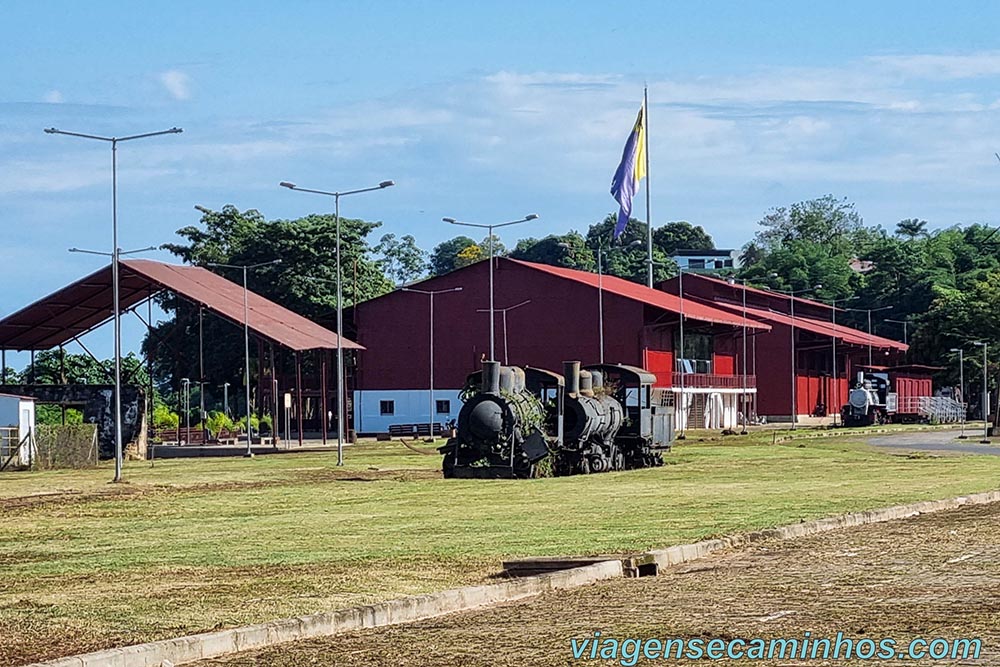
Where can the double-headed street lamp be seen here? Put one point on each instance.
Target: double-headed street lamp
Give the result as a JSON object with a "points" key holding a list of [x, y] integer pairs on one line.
{"points": [[906, 325], [869, 311], [246, 334], [115, 254], [340, 301], [986, 399], [503, 322], [490, 228], [430, 400], [961, 385]]}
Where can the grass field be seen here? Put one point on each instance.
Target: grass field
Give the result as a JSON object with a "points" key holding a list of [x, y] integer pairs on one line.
{"points": [[191, 545]]}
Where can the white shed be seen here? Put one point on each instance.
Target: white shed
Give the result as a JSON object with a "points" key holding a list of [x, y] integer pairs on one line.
{"points": [[17, 427]]}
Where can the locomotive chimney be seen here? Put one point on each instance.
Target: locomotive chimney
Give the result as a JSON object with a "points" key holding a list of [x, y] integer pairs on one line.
{"points": [[518, 378], [596, 380], [506, 379], [586, 384], [571, 374], [491, 377]]}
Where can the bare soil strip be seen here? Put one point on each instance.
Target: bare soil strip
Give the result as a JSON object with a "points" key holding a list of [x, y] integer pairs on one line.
{"points": [[936, 575]]}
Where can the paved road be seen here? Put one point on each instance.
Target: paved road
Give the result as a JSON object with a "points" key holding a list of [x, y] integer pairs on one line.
{"points": [[934, 575], [938, 441]]}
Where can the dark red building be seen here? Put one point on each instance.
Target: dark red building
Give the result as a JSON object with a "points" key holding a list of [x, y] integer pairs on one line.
{"points": [[558, 321], [818, 392]]}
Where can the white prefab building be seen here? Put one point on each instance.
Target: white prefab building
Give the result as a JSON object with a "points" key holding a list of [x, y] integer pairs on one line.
{"points": [[376, 411], [17, 428]]}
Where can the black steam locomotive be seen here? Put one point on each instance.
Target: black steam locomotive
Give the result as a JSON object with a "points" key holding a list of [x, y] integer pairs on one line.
{"points": [[516, 422]]}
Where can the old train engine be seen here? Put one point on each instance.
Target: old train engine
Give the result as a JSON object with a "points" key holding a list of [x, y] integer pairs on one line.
{"points": [[867, 402], [518, 422], [499, 430]]}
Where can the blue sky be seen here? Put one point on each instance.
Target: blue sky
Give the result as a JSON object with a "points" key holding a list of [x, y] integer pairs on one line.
{"points": [[484, 112]]}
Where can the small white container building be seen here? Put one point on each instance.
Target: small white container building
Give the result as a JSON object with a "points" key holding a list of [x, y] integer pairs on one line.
{"points": [[17, 428]]}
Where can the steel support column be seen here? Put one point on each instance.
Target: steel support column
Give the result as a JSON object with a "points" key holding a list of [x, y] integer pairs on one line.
{"points": [[298, 391], [322, 389]]}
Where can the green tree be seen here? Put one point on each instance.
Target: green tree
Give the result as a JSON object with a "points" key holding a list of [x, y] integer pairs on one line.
{"points": [[827, 220], [626, 257], [444, 257], [675, 236], [568, 250], [400, 258], [305, 281], [911, 228]]}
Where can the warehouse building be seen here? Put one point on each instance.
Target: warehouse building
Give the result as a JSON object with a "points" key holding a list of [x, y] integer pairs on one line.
{"points": [[818, 340], [544, 315]]}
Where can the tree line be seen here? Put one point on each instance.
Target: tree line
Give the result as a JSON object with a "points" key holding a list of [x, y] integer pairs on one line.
{"points": [[942, 283]]}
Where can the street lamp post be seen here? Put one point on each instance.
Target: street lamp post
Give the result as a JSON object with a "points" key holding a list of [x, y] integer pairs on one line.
{"points": [[430, 400], [503, 322], [600, 297], [791, 300], [340, 302], [869, 311], [115, 254], [961, 385], [490, 228], [743, 382], [246, 336], [986, 400], [225, 399], [905, 324], [833, 372], [186, 402]]}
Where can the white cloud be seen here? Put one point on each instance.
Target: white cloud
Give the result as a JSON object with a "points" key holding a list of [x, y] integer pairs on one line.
{"points": [[177, 83], [942, 67], [53, 97]]}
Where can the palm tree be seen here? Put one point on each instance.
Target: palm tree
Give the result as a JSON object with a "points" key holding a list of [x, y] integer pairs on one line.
{"points": [[911, 228]]}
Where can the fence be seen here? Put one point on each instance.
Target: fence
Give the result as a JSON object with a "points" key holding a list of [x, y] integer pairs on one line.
{"points": [[66, 446], [935, 408]]}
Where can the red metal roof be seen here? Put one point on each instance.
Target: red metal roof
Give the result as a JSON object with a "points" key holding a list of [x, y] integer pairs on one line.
{"points": [[87, 304], [752, 290], [822, 327], [612, 284]]}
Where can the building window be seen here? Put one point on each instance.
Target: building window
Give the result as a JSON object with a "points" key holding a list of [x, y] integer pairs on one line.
{"points": [[696, 263], [697, 354], [443, 407], [387, 407]]}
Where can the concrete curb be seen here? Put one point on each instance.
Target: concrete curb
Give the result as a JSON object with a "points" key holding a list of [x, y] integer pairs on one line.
{"points": [[405, 610], [683, 553], [391, 612]]}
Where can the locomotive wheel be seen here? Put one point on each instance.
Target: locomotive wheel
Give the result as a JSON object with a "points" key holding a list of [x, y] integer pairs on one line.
{"points": [[584, 466]]}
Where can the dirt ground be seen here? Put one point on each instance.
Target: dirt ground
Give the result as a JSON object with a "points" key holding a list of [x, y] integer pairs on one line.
{"points": [[931, 576]]}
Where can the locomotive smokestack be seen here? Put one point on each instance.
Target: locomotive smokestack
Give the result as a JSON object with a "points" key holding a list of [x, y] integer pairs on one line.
{"points": [[586, 384], [518, 374], [571, 374], [491, 377], [506, 379], [596, 380]]}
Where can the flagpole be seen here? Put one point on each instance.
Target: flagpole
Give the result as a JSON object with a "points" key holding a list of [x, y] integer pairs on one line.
{"points": [[649, 221]]}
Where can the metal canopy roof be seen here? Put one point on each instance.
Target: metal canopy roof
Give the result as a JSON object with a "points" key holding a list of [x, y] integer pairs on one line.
{"points": [[87, 304], [693, 310]]}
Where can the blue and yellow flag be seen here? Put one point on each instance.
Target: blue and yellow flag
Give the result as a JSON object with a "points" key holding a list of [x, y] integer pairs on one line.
{"points": [[631, 170]]}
